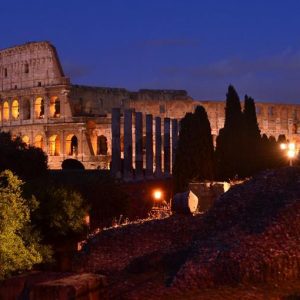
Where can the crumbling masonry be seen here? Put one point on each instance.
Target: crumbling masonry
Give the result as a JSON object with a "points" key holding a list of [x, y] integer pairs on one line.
{"points": [[39, 104]]}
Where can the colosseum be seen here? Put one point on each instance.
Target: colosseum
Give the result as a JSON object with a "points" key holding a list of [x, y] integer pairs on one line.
{"points": [[39, 104]]}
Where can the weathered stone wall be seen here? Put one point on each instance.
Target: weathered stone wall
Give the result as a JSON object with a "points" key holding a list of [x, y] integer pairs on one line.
{"points": [[31, 77], [30, 65]]}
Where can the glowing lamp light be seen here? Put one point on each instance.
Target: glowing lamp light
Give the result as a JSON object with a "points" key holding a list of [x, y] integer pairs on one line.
{"points": [[87, 220], [292, 146], [291, 153], [157, 194], [283, 146]]}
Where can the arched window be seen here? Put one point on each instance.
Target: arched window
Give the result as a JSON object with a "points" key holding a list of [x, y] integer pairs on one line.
{"points": [[15, 110], [39, 109], [26, 109], [54, 145], [5, 111], [72, 145], [101, 145], [38, 141], [54, 108], [25, 140]]}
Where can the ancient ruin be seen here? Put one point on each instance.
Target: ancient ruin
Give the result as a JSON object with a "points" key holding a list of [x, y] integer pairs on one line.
{"points": [[39, 104]]}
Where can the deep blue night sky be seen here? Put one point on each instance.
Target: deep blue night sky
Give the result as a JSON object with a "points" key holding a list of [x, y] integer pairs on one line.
{"points": [[197, 45]]}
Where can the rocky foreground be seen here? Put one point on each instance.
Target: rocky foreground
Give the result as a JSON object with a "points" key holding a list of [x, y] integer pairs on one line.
{"points": [[246, 247]]}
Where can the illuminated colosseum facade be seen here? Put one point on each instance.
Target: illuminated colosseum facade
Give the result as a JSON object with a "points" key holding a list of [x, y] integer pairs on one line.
{"points": [[39, 104]]}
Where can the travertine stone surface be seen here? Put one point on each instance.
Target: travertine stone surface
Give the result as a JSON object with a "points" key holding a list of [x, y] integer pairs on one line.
{"points": [[31, 78]]}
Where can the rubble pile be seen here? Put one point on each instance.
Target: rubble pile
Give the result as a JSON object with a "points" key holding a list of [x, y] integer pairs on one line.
{"points": [[251, 236]]}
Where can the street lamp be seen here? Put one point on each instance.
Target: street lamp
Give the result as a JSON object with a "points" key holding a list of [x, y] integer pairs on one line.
{"points": [[291, 151]]}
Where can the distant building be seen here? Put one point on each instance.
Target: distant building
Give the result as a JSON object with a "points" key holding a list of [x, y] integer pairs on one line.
{"points": [[39, 104]]}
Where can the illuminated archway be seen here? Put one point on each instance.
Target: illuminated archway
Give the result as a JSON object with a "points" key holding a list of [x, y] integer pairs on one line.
{"points": [[71, 145], [0, 112], [101, 145], [54, 109], [26, 109], [39, 141], [26, 140], [5, 111], [39, 109], [54, 145], [15, 109]]}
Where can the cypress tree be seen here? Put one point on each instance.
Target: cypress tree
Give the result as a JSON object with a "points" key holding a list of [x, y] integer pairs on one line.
{"points": [[204, 145], [229, 141], [251, 149], [195, 151]]}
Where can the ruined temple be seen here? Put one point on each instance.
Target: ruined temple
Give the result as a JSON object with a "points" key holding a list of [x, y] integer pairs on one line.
{"points": [[41, 105]]}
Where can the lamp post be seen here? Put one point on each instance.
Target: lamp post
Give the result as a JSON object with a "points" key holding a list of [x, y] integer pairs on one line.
{"points": [[291, 151]]}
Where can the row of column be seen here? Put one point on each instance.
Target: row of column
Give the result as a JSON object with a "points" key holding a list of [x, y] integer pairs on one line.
{"points": [[153, 162]]}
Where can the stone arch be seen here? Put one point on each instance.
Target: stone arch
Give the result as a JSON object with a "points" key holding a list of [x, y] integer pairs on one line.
{"points": [[15, 111], [39, 141], [54, 108], [26, 140], [54, 145], [101, 145], [39, 108], [5, 111], [26, 109], [72, 145]]}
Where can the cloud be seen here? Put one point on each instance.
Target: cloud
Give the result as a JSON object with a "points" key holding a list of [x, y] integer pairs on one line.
{"points": [[75, 71], [284, 63], [170, 43], [267, 78]]}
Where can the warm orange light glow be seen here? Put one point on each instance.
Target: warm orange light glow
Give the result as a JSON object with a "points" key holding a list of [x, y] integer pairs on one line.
{"points": [[15, 109], [5, 111], [157, 194], [292, 146], [291, 153], [25, 140], [38, 141], [87, 220], [283, 146]]}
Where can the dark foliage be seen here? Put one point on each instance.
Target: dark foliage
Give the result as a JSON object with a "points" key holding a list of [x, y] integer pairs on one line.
{"points": [[105, 198], [72, 164], [26, 161], [251, 141], [228, 149], [194, 155]]}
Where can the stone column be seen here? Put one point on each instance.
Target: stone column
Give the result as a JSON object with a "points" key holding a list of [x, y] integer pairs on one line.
{"points": [[32, 103], [167, 150], [158, 171], [46, 107], [116, 146], [149, 146], [128, 145], [174, 140], [139, 145], [21, 112]]}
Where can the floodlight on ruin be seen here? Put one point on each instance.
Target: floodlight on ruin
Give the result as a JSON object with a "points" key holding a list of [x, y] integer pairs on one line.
{"points": [[291, 154], [292, 146], [283, 146], [290, 151], [157, 195]]}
